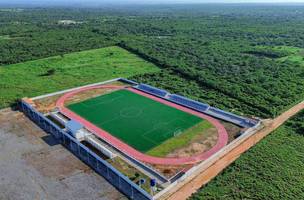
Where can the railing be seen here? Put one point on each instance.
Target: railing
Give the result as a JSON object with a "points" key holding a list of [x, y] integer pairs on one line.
{"points": [[128, 81], [231, 117], [116, 178], [188, 102]]}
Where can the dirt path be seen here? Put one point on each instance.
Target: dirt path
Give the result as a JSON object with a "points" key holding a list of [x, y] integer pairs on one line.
{"points": [[270, 125]]}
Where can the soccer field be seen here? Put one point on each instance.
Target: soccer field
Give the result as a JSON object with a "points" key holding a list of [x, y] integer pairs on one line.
{"points": [[134, 119]]}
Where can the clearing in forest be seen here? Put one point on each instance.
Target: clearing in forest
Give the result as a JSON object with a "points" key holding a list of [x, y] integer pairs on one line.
{"points": [[51, 74]]}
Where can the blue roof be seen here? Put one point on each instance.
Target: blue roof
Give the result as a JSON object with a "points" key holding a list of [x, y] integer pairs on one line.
{"points": [[73, 126]]}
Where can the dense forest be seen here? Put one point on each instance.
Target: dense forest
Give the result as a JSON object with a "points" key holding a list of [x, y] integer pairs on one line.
{"points": [[225, 55]]}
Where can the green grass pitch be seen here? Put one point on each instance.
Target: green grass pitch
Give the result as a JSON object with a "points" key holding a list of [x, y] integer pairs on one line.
{"points": [[134, 119]]}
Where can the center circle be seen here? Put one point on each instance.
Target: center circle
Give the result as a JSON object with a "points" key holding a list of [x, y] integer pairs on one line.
{"points": [[131, 112]]}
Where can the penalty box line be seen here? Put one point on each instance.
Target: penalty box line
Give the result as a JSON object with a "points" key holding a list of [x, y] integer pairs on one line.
{"points": [[118, 117], [101, 102], [145, 135], [109, 101]]}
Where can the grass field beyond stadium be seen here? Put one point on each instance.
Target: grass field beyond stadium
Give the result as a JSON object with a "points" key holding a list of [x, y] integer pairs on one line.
{"points": [[134, 119], [70, 70]]}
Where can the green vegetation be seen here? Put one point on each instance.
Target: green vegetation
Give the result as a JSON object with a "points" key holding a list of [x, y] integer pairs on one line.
{"points": [[273, 169], [181, 140], [132, 173], [5, 37], [283, 54], [51, 74], [11, 10], [256, 85], [293, 54], [246, 59], [215, 47], [136, 120]]}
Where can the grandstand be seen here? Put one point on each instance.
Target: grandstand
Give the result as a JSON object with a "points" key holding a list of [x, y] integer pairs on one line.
{"points": [[188, 102], [131, 82], [227, 116], [198, 106], [151, 90]]}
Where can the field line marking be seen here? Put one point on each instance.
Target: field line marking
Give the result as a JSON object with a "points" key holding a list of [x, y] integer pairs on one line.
{"points": [[110, 120], [145, 135], [149, 139], [140, 111], [105, 102]]}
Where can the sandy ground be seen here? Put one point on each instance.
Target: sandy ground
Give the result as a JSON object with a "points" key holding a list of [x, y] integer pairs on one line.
{"points": [[33, 166], [47, 104], [199, 144]]}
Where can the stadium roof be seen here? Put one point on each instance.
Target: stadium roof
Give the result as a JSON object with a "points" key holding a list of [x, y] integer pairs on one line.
{"points": [[73, 126]]}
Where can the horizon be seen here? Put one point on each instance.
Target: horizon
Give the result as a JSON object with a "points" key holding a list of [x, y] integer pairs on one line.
{"points": [[100, 3]]}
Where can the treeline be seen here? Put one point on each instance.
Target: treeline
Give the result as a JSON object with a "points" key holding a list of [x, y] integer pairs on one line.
{"points": [[34, 45], [225, 52], [177, 83], [261, 83], [297, 123]]}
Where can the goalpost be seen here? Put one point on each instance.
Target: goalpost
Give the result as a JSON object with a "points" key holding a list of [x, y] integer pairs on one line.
{"points": [[177, 133]]}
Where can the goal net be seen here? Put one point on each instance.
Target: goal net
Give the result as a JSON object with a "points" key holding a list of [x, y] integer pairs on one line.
{"points": [[177, 133]]}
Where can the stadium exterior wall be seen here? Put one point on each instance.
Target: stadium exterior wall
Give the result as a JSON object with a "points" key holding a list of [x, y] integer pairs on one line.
{"points": [[75, 88], [117, 179]]}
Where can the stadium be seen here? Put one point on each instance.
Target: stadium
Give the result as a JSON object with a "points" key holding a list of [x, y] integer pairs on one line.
{"points": [[135, 135]]}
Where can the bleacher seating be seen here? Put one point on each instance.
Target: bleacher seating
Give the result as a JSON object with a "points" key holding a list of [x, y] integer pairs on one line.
{"points": [[128, 81], [231, 117], [188, 102], [152, 90], [221, 112], [198, 106]]}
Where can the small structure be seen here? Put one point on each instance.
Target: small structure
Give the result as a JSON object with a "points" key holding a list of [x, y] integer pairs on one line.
{"points": [[74, 128], [98, 145], [67, 22]]}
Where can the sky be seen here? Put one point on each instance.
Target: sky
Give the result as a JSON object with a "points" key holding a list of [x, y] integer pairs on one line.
{"points": [[105, 2]]}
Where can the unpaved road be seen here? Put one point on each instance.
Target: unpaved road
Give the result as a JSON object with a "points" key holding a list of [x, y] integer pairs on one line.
{"points": [[270, 125]]}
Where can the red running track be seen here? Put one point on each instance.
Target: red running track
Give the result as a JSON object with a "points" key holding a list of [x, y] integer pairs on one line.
{"points": [[222, 133]]}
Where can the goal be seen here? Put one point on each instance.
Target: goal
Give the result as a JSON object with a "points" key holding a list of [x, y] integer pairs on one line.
{"points": [[177, 133]]}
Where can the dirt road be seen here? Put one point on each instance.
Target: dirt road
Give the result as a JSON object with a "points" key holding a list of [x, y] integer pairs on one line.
{"points": [[270, 125]]}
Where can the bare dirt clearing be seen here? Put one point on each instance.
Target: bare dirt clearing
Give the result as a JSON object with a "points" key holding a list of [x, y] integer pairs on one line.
{"points": [[34, 166]]}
